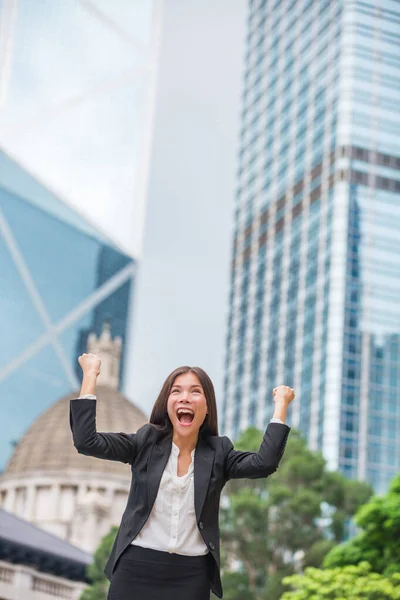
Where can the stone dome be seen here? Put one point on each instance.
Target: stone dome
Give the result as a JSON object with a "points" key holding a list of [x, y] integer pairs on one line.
{"points": [[48, 445]]}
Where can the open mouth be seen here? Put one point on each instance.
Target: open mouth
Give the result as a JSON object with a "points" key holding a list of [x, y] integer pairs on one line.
{"points": [[185, 416]]}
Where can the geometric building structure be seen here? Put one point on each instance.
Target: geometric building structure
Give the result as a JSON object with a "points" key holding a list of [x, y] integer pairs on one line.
{"points": [[35, 565], [315, 277], [60, 279], [75, 497]]}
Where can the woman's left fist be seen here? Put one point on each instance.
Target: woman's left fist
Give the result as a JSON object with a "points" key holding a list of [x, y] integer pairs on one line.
{"points": [[283, 392]]}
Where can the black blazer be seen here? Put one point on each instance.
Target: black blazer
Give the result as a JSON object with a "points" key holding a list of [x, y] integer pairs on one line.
{"points": [[148, 450]]}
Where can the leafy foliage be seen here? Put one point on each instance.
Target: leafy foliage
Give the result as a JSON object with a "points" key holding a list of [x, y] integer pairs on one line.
{"points": [[342, 583], [98, 590], [379, 541], [272, 527]]}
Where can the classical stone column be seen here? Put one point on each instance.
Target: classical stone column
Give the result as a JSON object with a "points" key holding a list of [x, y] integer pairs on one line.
{"points": [[9, 502], [54, 509], [29, 510]]}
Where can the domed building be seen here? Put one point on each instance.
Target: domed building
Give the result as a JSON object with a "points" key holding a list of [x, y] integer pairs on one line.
{"points": [[47, 482]]}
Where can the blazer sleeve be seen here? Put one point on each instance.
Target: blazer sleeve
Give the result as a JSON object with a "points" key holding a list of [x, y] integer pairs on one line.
{"points": [[87, 440], [253, 465]]}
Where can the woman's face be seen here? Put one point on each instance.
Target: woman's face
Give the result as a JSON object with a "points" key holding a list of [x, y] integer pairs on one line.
{"points": [[187, 405]]}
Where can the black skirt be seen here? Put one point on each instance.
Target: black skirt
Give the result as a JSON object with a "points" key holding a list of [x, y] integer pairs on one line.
{"points": [[145, 574]]}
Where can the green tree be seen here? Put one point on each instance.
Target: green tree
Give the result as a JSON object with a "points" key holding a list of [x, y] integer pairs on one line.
{"points": [[98, 589], [343, 583], [291, 520], [379, 541]]}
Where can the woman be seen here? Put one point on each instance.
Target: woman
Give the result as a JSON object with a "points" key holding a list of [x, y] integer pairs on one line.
{"points": [[167, 546]]}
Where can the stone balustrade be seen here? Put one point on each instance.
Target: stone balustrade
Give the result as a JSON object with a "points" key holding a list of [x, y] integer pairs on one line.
{"points": [[18, 582]]}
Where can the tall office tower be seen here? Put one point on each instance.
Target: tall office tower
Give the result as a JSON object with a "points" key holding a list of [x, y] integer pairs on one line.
{"points": [[77, 99], [315, 283], [61, 279]]}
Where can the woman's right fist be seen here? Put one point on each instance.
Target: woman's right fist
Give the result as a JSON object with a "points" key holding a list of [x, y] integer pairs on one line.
{"points": [[90, 364]]}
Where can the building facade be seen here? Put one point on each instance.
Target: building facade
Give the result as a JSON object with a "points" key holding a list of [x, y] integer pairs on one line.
{"points": [[316, 254], [60, 279], [35, 565], [72, 496]]}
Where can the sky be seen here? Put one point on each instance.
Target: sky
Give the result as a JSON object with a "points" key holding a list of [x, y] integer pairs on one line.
{"points": [[91, 114], [183, 280]]}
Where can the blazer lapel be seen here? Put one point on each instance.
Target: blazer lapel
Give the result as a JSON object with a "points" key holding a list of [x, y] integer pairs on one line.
{"points": [[203, 464], [157, 462]]}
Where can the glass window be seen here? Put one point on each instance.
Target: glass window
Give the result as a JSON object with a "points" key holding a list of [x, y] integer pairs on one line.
{"points": [[20, 323], [66, 265]]}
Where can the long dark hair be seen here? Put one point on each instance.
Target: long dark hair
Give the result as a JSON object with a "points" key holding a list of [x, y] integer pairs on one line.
{"points": [[159, 415]]}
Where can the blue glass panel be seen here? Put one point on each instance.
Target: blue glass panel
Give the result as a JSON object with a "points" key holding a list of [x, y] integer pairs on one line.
{"points": [[113, 309], [63, 262], [74, 340], [27, 392], [20, 324]]}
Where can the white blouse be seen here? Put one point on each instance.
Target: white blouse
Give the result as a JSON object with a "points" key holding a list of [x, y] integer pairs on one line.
{"points": [[172, 526]]}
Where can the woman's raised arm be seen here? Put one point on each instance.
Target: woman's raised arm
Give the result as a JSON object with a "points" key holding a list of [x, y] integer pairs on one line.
{"points": [[87, 440], [259, 464]]}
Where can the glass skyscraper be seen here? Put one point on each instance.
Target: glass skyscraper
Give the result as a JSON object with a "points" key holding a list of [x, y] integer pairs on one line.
{"points": [[315, 277], [60, 279]]}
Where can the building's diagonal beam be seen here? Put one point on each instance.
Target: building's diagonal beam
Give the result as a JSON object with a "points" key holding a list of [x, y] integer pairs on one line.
{"points": [[95, 298], [77, 313], [108, 22], [54, 110], [28, 353], [35, 297]]}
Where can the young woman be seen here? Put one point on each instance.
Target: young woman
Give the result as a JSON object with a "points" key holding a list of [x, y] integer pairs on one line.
{"points": [[167, 546]]}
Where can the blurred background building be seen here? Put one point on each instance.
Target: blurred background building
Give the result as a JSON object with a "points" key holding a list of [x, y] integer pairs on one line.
{"points": [[77, 87], [35, 565], [49, 484], [61, 279], [315, 275]]}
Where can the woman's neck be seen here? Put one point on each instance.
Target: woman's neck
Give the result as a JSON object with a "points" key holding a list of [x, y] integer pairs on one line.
{"points": [[185, 444]]}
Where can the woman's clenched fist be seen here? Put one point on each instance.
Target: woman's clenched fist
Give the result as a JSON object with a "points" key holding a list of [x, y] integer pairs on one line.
{"points": [[90, 364], [283, 392]]}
